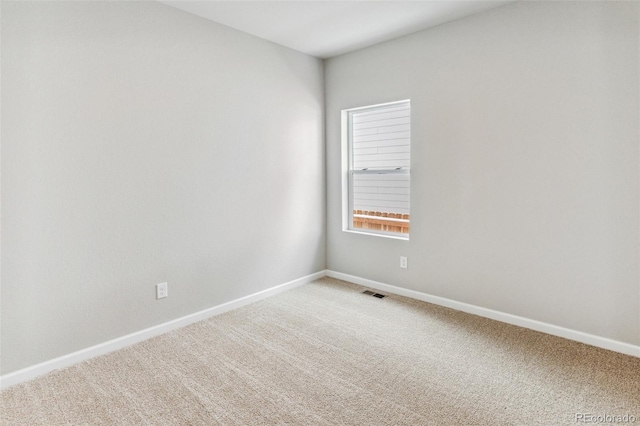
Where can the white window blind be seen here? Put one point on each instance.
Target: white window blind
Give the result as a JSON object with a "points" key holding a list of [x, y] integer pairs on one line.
{"points": [[379, 164]]}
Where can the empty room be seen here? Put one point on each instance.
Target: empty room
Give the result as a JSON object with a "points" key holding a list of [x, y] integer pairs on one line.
{"points": [[319, 212]]}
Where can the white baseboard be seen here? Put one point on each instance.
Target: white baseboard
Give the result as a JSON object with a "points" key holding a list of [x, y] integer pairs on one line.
{"points": [[68, 360], [579, 336]]}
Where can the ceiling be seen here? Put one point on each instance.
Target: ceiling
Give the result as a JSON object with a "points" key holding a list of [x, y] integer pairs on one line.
{"points": [[330, 28]]}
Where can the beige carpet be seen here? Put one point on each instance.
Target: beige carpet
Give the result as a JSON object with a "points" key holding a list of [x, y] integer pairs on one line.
{"points": [[325, 354]]}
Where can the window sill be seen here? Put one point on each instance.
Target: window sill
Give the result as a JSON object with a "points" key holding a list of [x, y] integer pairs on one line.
{"points": [[375, 234]]}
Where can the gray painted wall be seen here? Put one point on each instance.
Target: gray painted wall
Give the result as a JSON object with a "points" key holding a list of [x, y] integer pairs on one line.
{"points": [[141, 144], [525, 181]]}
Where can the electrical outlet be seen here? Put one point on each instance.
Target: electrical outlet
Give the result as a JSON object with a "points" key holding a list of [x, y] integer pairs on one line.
{"points": [[162, 290], [403, 262]]}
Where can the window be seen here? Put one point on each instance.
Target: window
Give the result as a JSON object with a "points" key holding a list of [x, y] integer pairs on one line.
{"points": [[377, 151]]}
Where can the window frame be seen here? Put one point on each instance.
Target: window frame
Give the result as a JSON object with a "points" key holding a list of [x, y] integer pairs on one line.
{"points": [[348, 172]]}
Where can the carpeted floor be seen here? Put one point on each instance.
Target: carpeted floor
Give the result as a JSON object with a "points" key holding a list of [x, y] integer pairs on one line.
{"points": [[325, 354]]}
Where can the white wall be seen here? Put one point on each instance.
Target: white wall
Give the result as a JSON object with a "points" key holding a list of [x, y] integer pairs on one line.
{"points": [[525, 180], [141, 144]]}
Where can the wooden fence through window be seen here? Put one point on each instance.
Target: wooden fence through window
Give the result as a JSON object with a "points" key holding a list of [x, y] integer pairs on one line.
{"points": [[381, 221]]}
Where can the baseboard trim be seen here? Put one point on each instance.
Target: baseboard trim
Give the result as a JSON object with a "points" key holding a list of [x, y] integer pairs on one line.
{"points": [[68, 360], [579, 336]]}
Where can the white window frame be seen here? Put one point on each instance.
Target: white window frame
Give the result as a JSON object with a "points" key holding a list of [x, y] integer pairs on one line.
{"points": [[348, 172]]}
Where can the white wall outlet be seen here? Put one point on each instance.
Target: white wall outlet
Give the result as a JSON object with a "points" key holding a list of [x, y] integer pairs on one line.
{"points": [[162, 290], [403, 262]]}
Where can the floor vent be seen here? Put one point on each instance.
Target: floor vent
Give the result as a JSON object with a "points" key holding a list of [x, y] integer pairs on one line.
{"points": [[371, 293]]}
